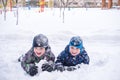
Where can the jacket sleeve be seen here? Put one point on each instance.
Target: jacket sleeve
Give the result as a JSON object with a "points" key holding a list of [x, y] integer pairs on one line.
{"points": [[60, 58], [86, 58], [27, 62], [50, 57]]}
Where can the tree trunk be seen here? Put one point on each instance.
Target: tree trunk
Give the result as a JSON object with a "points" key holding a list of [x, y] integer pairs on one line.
{"points": [[10, 5], [109, 4], [4, 13], [4, 2], [103, 4], [17, 12], [118, 2]]}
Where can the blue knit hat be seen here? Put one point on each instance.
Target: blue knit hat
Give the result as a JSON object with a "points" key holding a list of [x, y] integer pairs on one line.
{"points": [[76, 41]]}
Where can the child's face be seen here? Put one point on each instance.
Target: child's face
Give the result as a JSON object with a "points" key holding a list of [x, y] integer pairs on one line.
{"points": [[39, 51], [74, 51]]}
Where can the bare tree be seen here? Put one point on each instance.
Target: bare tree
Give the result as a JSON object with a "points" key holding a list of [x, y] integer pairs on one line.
{"points": [[118, 2], [109, 4], [4, 2], [63, 4], [17, 12]]}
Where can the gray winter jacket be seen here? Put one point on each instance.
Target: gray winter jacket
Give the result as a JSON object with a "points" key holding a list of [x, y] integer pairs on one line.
{"points": [[30, 58]]}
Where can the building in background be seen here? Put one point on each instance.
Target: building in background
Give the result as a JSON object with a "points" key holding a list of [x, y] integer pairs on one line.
{"points": [[68, 3]]}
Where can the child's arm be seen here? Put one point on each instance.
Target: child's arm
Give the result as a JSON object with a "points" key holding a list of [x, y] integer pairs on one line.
{"points": [[59, 62], [60, 58], [86, 57], [29, 65], [50, 57], [48, 66], [26, 63]]}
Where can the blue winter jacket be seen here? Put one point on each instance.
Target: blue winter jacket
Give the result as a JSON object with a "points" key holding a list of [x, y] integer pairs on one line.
{"points": [[66, 59]]}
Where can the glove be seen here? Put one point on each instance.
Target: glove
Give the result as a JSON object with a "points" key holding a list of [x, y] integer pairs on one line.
{"points": [[71, 68], [59, 67], [47, 67], [33, 70]]}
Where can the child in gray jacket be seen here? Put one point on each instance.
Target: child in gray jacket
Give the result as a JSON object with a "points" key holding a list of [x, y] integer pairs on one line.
{"points": [[40, 50]]}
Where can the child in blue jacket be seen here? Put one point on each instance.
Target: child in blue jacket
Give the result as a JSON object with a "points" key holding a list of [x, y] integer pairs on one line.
{"points": [[72, 55]]}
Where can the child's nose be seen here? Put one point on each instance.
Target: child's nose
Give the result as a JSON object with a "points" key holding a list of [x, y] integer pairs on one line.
{"points": [[39, 51], [74, 50]]}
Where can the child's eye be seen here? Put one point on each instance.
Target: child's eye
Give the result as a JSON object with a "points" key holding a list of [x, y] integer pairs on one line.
{"points": [[72, 47], [77, 49], [39, 48]]}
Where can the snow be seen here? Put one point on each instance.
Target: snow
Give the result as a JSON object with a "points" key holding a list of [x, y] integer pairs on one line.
{"points": [[99, 29]]}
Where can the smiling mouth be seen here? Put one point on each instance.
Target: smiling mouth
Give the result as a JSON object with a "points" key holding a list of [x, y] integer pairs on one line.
{"points": [[38, 53], [73, 53]]}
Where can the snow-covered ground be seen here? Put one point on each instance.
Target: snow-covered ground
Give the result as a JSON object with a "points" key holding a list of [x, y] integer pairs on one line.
{"points": [[99, 29]]}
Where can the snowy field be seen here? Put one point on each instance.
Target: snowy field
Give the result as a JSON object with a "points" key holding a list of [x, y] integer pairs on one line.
{"points": [[99, 29]]}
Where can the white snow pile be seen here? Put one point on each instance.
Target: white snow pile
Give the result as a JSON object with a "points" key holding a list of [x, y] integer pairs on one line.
{"points": [[99, 29]]}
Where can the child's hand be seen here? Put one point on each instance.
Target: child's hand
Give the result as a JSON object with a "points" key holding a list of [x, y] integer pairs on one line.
{"points": [[71, 68], [47, 67], [59, 67], [33, 70]]}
